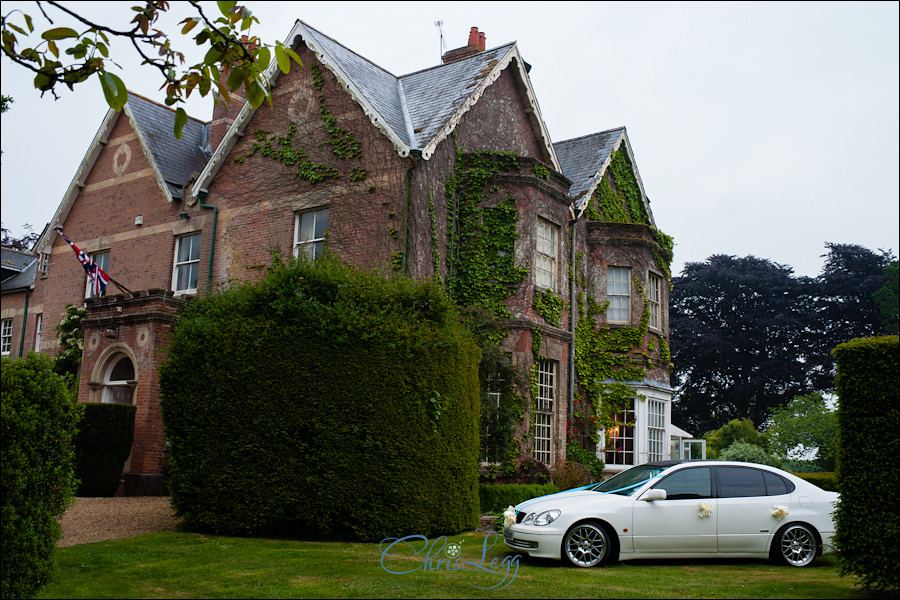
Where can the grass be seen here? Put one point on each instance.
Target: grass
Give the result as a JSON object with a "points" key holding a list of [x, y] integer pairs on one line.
{"points": [[178, 564]]}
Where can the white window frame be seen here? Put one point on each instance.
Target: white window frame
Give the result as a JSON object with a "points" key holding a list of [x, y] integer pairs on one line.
{"points": [[43, 263], [309, 237], [620, 440], [654, 283], [6, 331], [543, 411], [37, 332], [101, 259], [115, 390], [618, 293], [656, 429], [546, 255], [190, 263]]}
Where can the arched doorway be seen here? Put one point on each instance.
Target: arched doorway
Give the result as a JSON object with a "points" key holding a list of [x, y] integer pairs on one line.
{"points": [[119, 381]]}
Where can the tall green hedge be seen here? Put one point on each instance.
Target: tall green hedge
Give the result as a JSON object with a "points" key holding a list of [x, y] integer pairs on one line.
{"points": [[39, 419], [497, 498], [868, 462], [323, 401], [102, 446]]}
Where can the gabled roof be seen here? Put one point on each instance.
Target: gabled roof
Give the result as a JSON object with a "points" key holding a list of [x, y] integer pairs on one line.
{"points": [[415, 111], [18, 269], [584, 160], [173, 161], [176, 159]]}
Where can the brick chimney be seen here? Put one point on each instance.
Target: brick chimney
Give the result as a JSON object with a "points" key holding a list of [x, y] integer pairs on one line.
{"points": [[477, 43], [224, 116]]}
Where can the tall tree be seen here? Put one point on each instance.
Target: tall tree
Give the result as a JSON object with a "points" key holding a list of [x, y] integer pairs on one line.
{"points": [[804, 424], [22, 244], [888, 299], [62, 55], [736, 339]]}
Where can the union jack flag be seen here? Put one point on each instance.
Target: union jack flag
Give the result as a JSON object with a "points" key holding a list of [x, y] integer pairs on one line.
{"points": [[99, 279]]}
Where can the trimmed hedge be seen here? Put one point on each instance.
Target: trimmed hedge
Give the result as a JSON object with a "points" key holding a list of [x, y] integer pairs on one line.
{"points": [[39, 418], [868, 460], [102, 446], [323, 401], [497, 498], [826, 480]]}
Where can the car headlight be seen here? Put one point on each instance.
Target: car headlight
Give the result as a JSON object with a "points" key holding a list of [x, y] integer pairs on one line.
{"points": [[529, 519], [546, 517]]}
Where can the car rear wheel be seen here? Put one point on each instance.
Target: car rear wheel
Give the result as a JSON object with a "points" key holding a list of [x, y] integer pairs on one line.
{"points": [[797, 545], [587, 545]]}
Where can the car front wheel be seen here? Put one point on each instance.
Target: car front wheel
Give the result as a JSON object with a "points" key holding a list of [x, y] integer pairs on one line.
{"points": [[797, 545], [587, 545]]}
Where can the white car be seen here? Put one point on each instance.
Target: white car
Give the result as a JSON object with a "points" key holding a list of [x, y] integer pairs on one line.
{"points": [[679, 509]]}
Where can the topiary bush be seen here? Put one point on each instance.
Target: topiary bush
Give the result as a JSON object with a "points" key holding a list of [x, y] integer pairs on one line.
{"points": [[497, 498], [323, 401], [867, 524], [102, 446], [744, 452], [39, 420]]}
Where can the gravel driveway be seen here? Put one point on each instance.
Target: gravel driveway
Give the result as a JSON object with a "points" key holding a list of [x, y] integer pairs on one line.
{"points": [[100, 519]]}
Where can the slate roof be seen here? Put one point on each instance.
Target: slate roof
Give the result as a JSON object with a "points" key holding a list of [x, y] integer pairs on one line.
{"points": [[176, 159], [415, 111], [582, 159], [18, 269]]}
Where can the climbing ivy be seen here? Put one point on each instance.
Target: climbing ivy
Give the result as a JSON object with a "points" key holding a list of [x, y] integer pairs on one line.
{"points": [[603, 354], [435, 251], [343, 145], [625, 204], [549, 306], [481, 253]]}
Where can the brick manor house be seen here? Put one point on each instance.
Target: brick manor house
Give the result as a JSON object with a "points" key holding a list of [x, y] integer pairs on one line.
{"points": [[349, 148]]}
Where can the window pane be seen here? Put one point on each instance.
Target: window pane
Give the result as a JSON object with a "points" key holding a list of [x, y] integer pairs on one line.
{"points": [[738, 482], [775, 485], [123, 371], [687, 484], [321, 223]]}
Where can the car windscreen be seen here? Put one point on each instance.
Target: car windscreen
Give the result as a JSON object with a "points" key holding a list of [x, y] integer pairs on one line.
{"points": [[627, 482]]}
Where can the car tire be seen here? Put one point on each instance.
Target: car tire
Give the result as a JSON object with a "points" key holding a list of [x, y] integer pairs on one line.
{"points": [[587, 545], [796, 545]]}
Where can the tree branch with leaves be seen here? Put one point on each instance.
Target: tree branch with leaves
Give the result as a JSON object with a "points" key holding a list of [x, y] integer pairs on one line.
{"points": [[66, 56]]}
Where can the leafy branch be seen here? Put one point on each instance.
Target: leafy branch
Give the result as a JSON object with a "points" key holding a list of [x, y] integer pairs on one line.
{"points": [[69, 57]]}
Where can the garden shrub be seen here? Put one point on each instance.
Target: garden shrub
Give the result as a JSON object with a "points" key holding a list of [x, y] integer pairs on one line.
{"points": [[826, 480], [570, 475], [39, 420], [867, 526], [323, 401], [744, 452], [497, 498], [102, 446]]}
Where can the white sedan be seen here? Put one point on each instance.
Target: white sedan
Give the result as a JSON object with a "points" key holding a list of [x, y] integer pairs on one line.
{"points": [[673, 509]]}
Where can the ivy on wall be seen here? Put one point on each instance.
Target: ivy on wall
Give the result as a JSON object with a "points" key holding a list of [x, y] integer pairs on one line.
{"points": [[549, 306], [481, 240], [342, 142], [603, 354]]}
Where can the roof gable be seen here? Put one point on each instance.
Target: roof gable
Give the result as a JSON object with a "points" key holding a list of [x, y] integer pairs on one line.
{"points": [[584, 161], [415, 111], [172, 160]]}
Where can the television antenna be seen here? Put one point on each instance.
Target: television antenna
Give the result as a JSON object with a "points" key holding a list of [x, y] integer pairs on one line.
{"points": [[440, 25]]}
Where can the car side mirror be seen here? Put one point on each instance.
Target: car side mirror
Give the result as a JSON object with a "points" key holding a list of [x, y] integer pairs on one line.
{"points": [[654, 494]]}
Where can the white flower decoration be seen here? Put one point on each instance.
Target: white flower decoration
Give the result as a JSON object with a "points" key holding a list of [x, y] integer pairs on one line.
{"points": [[509, 517], [780, 512], [706, 509]]}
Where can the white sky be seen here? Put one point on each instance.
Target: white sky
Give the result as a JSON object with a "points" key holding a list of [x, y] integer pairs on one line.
{"points": [[763, 129]]}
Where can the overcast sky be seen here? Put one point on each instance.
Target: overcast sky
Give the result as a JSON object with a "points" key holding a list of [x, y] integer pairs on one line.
{"points": [[764, 129]]}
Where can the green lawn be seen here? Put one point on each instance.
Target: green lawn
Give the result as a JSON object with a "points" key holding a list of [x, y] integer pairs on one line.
{"points": [[177, 564]]}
